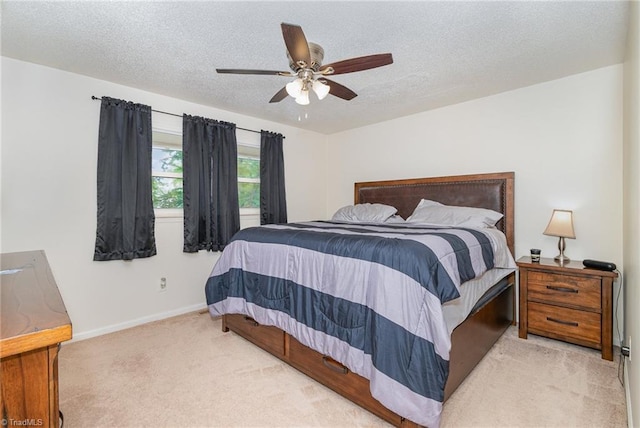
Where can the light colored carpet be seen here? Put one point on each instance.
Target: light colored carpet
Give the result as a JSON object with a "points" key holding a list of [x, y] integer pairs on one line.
{"points": [[185, 372]]}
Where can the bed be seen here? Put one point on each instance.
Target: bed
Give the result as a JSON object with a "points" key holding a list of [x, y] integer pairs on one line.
{"points": [[334, 352]]}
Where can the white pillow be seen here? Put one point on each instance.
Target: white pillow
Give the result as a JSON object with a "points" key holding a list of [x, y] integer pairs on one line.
{"points": [[448, 215], [427, 203], [365, 213]]}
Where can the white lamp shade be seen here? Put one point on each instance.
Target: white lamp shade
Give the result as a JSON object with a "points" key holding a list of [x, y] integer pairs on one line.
{"points": [[320, 89], [294, 88], [561, 224], [303, 98]]}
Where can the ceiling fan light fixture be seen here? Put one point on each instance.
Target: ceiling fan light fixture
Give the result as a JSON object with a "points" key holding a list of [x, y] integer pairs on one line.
{"points": [[303, 98], [294, 88], [305, 62], [320, 89]]}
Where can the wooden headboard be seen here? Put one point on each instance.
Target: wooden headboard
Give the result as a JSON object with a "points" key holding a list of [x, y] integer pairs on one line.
{"points": [[492, 191]]}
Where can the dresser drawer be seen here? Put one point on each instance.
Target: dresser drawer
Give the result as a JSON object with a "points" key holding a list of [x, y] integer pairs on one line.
{"points": [[266, 337], [337, 377], [568, 290], [333, 373], [564, 323]]}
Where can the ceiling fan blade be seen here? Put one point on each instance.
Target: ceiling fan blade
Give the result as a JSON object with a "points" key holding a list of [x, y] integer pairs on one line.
{"points": [[339, 90], [243, 71], [279, 96], [296, 43], [359, 64]]}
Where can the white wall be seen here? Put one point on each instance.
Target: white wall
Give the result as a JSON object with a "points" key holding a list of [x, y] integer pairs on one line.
{"points": [[563, 140], [49, 154], [632, 212]]}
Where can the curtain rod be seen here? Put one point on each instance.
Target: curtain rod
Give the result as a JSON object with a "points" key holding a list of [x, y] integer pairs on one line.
{"points": [[93, 97]]}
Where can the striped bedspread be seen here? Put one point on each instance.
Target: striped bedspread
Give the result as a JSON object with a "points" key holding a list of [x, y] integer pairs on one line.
{"points": [[368, 295]]}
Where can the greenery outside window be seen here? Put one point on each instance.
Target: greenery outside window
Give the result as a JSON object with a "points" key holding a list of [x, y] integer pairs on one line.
{"points": [[166, 176], [166, 173], [249, 179]]}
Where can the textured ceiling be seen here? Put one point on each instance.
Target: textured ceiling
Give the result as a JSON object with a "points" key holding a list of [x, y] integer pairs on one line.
{"points": [[444, 52]]}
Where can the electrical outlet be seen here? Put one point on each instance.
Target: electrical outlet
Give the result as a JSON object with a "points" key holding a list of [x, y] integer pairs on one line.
{"points": [[163, 284], [629, 348]]}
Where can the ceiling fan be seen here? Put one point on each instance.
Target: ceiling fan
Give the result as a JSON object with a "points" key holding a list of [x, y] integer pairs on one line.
{"points": [[305, 61]]}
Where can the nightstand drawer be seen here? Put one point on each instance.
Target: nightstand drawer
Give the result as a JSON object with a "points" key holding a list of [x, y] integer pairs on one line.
{"points": [[564, 323], [575, 291]]}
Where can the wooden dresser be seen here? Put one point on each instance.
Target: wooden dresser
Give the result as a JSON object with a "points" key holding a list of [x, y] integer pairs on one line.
{"points": [[568, 302], [34, 323]]}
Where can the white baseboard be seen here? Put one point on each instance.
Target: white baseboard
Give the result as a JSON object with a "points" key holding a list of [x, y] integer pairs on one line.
{"points": [[136, 322], [627, 392]]}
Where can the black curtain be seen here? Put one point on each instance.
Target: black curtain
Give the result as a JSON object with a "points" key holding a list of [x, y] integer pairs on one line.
{"points": [[125, 227], [273, 202], [210, 173]]}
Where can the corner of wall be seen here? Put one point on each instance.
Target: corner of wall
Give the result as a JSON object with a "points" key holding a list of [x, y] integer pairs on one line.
{"points": [[631, 209]]}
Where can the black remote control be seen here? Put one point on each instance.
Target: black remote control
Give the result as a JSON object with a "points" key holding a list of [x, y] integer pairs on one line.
{"points": [[596, 264]]}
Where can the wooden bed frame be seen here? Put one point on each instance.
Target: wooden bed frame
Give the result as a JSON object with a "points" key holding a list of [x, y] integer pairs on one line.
{"points": [[471, 340]]}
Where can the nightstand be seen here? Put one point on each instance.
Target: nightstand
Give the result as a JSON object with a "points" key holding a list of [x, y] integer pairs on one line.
{"points": [[568, 302]]}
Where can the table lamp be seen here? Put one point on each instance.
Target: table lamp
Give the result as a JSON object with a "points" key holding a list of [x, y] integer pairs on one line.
{"points": [[561, 225]]}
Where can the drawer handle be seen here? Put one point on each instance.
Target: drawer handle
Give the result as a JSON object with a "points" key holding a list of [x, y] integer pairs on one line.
{"points": [[562, 289], [571, 323], [332, 364], [251, 321]]}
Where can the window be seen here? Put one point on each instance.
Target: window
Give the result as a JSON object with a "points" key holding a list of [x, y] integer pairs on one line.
{"points": [[166, 176], [166, 172], [249, 179]]}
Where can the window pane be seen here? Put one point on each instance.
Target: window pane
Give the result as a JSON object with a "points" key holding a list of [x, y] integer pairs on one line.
{"points": [[166, 160], [249, 195], [248, 167], [167, 192]]}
